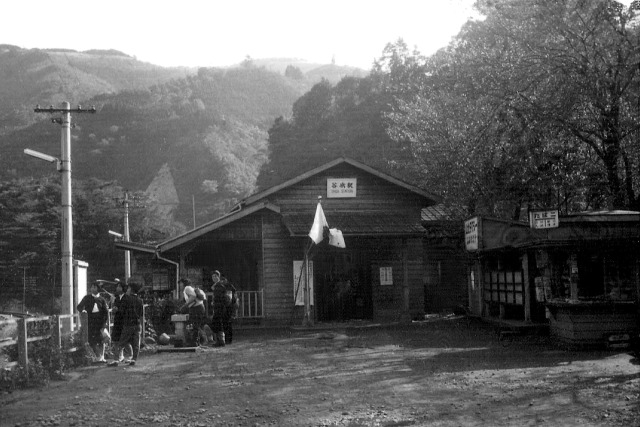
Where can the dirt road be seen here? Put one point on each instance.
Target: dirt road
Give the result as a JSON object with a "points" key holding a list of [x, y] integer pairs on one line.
{"points": [[441, 373]]}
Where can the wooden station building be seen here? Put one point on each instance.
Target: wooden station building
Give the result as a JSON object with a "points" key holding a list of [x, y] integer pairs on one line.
{"points": [[260, 246]]}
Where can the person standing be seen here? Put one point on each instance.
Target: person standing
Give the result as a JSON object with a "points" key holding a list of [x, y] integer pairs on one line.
{"points": [[230, 311], [132, 312], [118, 319], [219, 308], [98, 316]]}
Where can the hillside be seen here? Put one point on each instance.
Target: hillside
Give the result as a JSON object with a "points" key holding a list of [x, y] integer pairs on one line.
{"points": [[201, 135], [33, 76], [313, 72], [209, 131]]}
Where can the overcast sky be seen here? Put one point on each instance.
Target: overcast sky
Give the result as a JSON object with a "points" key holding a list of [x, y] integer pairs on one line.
{"points": [[217, 33]]}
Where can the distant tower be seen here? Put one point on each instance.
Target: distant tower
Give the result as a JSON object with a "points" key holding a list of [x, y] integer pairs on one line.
{"points": [[333, 60]]}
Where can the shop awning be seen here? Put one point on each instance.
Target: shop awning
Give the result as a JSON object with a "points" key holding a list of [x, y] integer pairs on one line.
{"points": [[358, 224]]}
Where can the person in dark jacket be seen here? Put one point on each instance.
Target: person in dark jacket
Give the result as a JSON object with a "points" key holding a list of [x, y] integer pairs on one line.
{"points": [[118, 319], [225, 306], [219, 289], [230, 312], [98, 316], [132, 312]]}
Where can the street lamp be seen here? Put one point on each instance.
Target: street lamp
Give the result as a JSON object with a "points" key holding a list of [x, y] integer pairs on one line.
{"points": [[64, 167], [116, 235]]}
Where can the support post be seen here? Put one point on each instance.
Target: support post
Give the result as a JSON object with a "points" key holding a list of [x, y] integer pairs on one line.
{"points": [[526, 287], [23, 357], [84, 328], [56, 337], [67, 222], [64, 167]]}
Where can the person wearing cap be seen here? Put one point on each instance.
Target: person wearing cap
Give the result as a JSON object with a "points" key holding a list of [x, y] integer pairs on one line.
{"points": [[132, 312], [98, 316]]}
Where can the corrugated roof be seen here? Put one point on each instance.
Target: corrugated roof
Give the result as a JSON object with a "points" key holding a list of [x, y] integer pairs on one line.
{"points": [[357, 223], [442, 212]]}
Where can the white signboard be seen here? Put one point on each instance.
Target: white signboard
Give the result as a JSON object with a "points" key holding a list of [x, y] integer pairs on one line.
{"points": [[386, 276], [341, 187], [543, 219], [299, 278], [471, 234]]}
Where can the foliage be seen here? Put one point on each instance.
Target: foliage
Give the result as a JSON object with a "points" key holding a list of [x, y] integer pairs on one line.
{"points": [[345, 120], [46, 361], [34, 76], [535, 106], [30, 223]]}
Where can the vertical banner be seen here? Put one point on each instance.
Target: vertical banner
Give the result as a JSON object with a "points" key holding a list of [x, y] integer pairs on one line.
{"points": [[299, 282]]}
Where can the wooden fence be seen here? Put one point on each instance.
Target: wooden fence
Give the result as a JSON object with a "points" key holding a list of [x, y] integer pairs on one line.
{"points": [[23, 339], [76, 324], [250, 304]]}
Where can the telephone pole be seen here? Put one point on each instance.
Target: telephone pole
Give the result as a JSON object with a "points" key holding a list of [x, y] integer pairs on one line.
{"points": [[64, 168], [127, 254]]}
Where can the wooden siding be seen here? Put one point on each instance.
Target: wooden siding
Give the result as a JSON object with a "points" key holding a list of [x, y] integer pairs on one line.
{"points": [[279, 252], [373, 194], [445, 279], [589, 325]]}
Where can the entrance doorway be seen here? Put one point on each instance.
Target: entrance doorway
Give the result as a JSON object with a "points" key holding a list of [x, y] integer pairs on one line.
{"points": [[343, 284]]}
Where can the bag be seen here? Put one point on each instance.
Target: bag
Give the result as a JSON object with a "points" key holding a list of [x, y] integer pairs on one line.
{"points": [[106, 338], [200, 295]]}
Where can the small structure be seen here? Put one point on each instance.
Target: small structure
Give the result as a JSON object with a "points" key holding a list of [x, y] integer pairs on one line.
{"points": [[580, 273]]}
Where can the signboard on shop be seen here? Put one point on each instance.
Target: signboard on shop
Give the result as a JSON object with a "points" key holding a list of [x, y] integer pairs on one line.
{"points": [[543, 219], [471, 234]]}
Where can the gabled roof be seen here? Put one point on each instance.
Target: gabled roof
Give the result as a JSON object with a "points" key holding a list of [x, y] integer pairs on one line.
{"points": [[261, 195], [213, 225]]}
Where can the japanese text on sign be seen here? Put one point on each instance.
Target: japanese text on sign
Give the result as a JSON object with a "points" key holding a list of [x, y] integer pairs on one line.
{"points": [[341, 187], [471, 234], [543, 219]]}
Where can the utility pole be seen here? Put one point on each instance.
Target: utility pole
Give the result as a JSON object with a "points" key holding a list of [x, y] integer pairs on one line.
{"points": [[127, 254], [64, 168]]}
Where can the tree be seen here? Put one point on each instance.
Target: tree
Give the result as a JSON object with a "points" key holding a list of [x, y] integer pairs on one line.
{"points": [[293, 72], [537, 102]]}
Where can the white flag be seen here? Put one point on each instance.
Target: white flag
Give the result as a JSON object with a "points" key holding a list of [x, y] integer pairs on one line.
{"points": [[336, 239], [319, 222]]}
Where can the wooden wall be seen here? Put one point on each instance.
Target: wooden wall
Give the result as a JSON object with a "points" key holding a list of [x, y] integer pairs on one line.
{"points": [[279, 251], [373, 194]]}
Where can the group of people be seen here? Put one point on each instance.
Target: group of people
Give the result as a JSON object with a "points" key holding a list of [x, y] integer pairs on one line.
{"points": [[127, 309], [127, 321], [218, 330]]}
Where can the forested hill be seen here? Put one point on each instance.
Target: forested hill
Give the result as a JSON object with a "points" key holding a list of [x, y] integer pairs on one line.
{"points": [[205, 135], [34, 76]]}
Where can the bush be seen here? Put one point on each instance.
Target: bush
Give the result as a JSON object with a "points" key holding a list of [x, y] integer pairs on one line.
{"points": [[46, 361]]}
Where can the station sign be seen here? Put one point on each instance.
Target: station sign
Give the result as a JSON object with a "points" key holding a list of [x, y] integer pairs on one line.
{"points": [[341, 187]]}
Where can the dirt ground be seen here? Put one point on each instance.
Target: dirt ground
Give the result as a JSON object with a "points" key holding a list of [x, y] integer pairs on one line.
{"points": [[445, 372]]}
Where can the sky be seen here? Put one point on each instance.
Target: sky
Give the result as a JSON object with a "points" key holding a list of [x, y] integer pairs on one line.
{"points": [[207, 33]]}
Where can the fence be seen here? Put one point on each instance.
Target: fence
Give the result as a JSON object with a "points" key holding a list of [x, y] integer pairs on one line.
{"points": [[56, 335], [251, 304], [77, 323]]}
